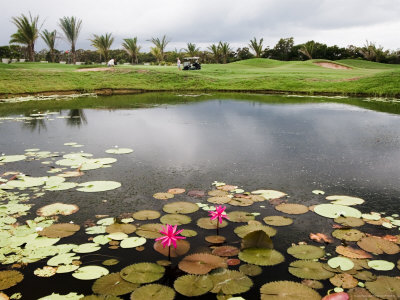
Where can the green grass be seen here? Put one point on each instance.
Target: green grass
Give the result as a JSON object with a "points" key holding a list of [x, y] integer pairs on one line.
{"points": [[262, 75]]}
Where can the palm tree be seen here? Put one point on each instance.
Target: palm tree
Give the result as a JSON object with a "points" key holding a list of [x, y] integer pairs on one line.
{"points": [[157, 53], [225, 51], [308, 49], [257, 47], [131, 47], [50, 39], [216, 51], [102, 43], [161, 45], [71, 28], [191, 49], [27, 33]]}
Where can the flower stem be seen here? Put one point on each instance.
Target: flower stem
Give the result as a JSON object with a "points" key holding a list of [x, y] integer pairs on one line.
{"points": [[169, 253], [217, 227]]}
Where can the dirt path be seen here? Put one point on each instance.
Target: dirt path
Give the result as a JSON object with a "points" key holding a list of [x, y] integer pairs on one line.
{"points": [[331, 66]]}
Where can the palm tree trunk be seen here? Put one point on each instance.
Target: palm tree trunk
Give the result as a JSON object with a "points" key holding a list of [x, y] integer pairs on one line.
{"points": [[31, 48], [53, 57], [73, 54]]}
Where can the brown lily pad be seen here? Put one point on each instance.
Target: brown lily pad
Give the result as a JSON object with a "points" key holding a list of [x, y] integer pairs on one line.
{"points": [[219, 200], [215, 239], [150, 231], [350, 235], [176, 191], [201, 263], [287, 290], [358, 293], [314, 284], [217, 193], [225, 251], [278, 221], [207, 223], [10, 278], [292, 208], [385, 287], [241, 202], [163, 196], [240, 216], [143, 215], [345, 281], [227, 187], [125, 228], [352, 252], [378, 245], [349, 221], [196, 193], [113, 284], [180, 207], [59, 230], [182, 247]]}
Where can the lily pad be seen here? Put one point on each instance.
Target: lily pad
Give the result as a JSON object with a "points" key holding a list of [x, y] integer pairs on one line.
{"points": [[182, 247], [376, 245], [308, 269], [180, 207], [287, 290], [46, 271], [225, 251], [11, 158], [60, 230], [352, 252], [175, 219], [132, 242], [153, 292], [57, 209], [240, 216], [10, 278], [257, 239], [69, 296], [87, 248], [385, 287], [230, 282], [345, 200], [343, 263], [119, 151], [350, 221], [250, 270], [193, 285], [292, 208], [66, 268], [278, 221], [113, 284], [306, 252], [188, 233], [125, 228], [244, 230], [142, 272], [269, 194], [62, 259], [345, 281], [176, 191], [261, 256], [98, 186], [241, 202], [150, 231], [201, 263], [144, 215], [207, 223], [219, 200], [350, 235], [381, 265], [90, 272], [163, 196], [334, 211]]}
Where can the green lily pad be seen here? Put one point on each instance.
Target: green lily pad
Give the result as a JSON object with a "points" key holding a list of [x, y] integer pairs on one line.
{"points": [[345, 200], [306, 252], [278, 221], [334, 211], [67, 268], [180, 207], [175, 219], [344, 263], [257, 239], [117, 236], [240, 216], [27, 182], [188, 233], [87, 248], [349, 221], [350, 235], [219, 200], [90, 272], [144, 215], [11, 158], [230, 282], [133, 242], [101, 239], [308, 269], [98, 186], [261, 256], [250, 270], [142, 272], [62, 259], [96, 230], [287, 290], [193, 285], [381, 265], [244, 230], [153, 292], [119, 151], [61, 187], [10, 278], [55, 296], [113, 284], [269, 194]]}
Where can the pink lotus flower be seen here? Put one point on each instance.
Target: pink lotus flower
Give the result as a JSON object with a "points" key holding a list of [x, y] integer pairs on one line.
{"points": [[218, 213], [170, 236]]}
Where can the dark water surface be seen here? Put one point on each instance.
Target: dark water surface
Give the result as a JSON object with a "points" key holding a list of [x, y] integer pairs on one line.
{"points": [[295, 145]]}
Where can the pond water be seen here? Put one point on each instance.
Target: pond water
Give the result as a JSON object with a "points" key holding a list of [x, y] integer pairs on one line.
{"points": [[256, 142]]}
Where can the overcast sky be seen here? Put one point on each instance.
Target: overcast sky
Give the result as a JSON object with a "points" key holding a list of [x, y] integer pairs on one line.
{"points": [[341, 22]]}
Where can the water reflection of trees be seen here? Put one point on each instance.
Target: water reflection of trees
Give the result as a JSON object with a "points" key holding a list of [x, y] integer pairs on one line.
{"points": [[34, 124], [77, 117]]}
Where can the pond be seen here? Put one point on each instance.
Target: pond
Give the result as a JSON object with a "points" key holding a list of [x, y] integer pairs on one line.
{"points": [[305, 147]]}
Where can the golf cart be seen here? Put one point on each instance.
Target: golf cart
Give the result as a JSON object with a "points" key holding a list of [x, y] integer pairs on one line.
{"points": [[191, 63]]}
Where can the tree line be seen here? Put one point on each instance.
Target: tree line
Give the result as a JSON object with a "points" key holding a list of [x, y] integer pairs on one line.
{"points": [[22, 43]]}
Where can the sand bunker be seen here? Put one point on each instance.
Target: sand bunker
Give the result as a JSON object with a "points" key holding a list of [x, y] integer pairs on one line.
{"points": [[330, 65]]}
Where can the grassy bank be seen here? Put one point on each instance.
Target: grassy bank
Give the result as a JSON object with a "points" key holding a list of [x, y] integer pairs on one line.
{"points": [[364, 78]]}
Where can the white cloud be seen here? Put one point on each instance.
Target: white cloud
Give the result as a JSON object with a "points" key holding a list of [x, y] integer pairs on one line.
{"points": [[339, 22]]}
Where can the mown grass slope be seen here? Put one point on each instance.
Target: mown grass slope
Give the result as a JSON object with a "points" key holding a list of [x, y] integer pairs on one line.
{"points": [[248, 75]]}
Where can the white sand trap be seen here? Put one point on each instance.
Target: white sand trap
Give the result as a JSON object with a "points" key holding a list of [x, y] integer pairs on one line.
{"points": [[330, 65], [95, 69]]}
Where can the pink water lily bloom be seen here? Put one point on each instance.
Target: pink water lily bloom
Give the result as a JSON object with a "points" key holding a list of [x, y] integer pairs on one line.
{"points": [[218, 213], [170, 236]]}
